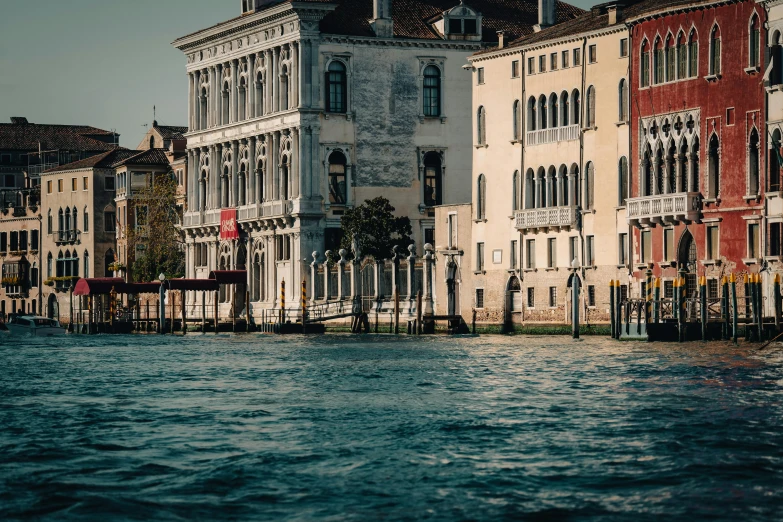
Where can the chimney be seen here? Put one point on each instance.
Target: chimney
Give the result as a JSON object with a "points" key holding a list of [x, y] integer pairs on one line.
{"points": [[615, 13], [381, 21], [501, 39], [546, 13]]}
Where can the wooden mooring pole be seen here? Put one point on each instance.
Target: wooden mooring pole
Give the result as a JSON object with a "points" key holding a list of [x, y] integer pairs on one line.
{"points": [[734, 321], [703, 306]]}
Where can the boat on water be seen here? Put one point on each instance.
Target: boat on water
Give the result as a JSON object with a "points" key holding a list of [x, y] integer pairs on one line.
{"points": [[35, 326]]}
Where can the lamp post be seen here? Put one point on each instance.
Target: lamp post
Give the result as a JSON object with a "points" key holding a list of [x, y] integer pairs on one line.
{"points": [[575, 299], [162, 278]]}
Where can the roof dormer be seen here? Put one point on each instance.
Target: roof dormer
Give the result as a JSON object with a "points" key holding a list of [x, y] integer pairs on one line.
{"points": [[460, 23]]}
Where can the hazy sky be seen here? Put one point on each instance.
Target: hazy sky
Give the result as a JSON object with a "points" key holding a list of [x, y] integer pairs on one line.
{"points": [[102, 62]]}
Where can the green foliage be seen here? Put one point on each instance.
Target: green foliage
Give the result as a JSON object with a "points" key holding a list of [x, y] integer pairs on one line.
{"points": [[158, 233], [376, 229]]}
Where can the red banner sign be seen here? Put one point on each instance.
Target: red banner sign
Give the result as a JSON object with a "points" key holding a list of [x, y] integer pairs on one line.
{"points": [[228, 224]]}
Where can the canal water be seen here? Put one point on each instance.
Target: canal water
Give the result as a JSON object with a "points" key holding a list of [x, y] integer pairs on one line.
{"points": [[253, 427]]}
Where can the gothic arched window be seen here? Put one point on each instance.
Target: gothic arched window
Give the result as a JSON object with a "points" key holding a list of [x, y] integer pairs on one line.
{"points": [[774, 162], [644, 65], [622, 95], [532, 118], [713, 165], [481, 126], [481, 197], [715, 51], [515, 115], [754, 38], [624, 187], [590, 107], [753, 164]]}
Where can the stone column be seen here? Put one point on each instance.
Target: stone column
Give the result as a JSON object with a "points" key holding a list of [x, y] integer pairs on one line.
{"points": [[192, 186], [411, 271], [327, 269], [234, 194], [274, 80], [295, 163], [429, 260], [197, 101], [216, 171], [538, 193], [250, 110], [250, 197], [191, 98], [274, 167], [341, 264], [294, 47], [692, 175], [679, 171], [313, 277], [233, 92], [572, 190]]}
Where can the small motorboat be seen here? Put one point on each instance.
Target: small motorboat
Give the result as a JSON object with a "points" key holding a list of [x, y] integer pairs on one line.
{"points": [[35, 326]]}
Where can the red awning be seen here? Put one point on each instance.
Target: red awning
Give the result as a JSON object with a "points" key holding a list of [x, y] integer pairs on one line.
{"points": [[229, 277], [142, 288], [193, 284], [99, 286]]}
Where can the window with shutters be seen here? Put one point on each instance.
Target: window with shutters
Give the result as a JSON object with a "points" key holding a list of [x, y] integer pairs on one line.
{"points": [[693, 55], [658, 65], [644, 65], [590, 107], [670, 59], [481, 197], [479, 257], [590, 251], [753, 240], [668, 244], [682, 57], [712, 242], [622, 249], [715, 51], [623, 181], [551, 253], [622, 95], [530, 254], [481, 126], [754, 37]]}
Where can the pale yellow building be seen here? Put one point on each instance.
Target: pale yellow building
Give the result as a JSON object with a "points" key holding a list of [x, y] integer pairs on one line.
{"points": [[550, 170]]}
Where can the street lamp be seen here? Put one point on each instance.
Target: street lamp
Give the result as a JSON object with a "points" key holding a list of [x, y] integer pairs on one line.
{"points": [[575, 299], [162, 278]]}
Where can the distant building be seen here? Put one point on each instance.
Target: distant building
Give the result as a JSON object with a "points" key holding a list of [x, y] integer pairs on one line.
{"points": [[300, 111], [26, 150]]}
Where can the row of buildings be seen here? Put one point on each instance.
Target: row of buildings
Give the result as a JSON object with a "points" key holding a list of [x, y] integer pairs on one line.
{"points": [[528, 142], [65, 204]]}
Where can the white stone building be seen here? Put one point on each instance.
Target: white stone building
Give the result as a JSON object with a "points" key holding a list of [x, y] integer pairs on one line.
{"points": [[301, 110]]}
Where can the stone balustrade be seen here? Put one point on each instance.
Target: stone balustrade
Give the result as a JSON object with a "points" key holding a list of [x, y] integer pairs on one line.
{"points": [[545, 218], [680, 207]]}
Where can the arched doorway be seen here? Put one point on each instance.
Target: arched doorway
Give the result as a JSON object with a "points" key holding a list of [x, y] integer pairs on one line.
{"points": [[53, 308], [686, 261], [514, 294]]}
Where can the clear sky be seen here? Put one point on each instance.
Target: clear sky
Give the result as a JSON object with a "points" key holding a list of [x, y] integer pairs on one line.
{"points": [[102, 62]]}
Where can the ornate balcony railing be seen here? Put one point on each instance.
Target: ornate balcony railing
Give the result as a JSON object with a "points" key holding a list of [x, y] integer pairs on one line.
{"points": [[552, 217], [65, 236], [268, 209], [553, 135], [664, 208]]}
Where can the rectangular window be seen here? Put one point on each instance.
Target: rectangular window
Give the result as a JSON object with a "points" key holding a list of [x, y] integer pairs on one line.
{"points": [[479, 298], [646, 254], [624, 48], [49, 187], [542, 63], [552, 296], [73, 185], [34, 242], [564, 59], [573, 249], [592, 53], [470, 25], [530, 253], [3, 242], [515, 69], [590, 251], [85, 183], [480, 257], [622, 249], [668, 244], [730, 118], [553, 61], [531, 65], [753, 240], [9, 181], [513, 256], [551, 253], [712, 289], [480, 75], [531, 297], [109, 222], [590, 295], [452, 222], [668, 289], [59, 185], [775, 239], [623, 293], [712, 242], [5, 159], [577, 57], [108, 183], [23, 241]]}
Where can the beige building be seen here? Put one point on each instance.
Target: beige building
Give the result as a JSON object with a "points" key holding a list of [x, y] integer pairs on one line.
{"points": [[550, 170], [79, 225], [300, 111]]}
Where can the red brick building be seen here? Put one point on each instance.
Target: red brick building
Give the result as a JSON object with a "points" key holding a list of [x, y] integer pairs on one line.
{"points": [[697, 182]]}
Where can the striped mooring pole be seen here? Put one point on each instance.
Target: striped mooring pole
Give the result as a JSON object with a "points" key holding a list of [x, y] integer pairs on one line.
{"points": [[612, 318], [760, 307], [776, 290], [681, 292], [282, 301], [657, 301], [734, 320], [703, 306], [748, 320], [648, 297], [304, 304], [619, 312], [724, 307]]}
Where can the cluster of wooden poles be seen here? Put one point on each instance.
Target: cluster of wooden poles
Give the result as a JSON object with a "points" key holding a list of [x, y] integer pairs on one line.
{"points": [[651, 308]]}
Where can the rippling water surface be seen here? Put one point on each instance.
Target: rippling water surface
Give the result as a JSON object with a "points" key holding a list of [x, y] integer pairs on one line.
{"points": [[340, 427]]}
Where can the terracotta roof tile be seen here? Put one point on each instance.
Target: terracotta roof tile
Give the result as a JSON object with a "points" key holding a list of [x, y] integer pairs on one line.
{"points": [[28, 136], [99, 161], [168, 132], [147, 157]]}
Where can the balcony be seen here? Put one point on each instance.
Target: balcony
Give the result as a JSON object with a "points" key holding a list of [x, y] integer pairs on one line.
{"points": [[545, 218], [682, 207], [556, 134], [268, 209], [65, 236]]}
